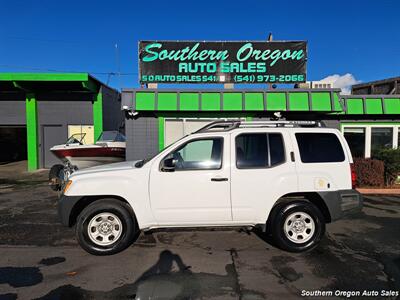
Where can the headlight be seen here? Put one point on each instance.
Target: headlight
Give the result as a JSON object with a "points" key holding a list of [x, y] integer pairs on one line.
{"points": [[67, 186]]}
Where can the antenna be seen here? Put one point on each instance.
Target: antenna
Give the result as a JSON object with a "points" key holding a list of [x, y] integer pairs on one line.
{"points": [[118, 66]]}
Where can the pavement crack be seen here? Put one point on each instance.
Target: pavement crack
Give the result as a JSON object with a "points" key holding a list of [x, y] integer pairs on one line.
{"points": [[237, 288]]}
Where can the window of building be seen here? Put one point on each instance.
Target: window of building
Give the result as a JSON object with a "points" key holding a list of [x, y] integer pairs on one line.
{"points": [[365, 139], [259, 150], [355, 137], [319, 147], [398, 138], [381, 137], [204, 154]]}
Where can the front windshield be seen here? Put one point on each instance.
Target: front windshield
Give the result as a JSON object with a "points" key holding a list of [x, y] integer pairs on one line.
{"points": [[76, 138], [112, 136]]}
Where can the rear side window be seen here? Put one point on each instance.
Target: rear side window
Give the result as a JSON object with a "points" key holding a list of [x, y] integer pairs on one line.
{"points": [[319, 147], [259, 150]]}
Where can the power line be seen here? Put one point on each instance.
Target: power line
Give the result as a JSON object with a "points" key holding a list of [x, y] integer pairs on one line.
{"points": [[22, 38]]}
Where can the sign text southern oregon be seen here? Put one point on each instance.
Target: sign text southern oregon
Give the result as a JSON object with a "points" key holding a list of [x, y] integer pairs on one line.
{"points": [[222, 62]]}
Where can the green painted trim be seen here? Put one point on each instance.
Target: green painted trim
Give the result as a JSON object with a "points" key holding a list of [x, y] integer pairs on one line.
{"points": [[161, 133], [232, 102], [342, 124], [210, 102], [203, 114], [98, 115], [325, 102], [392, 105], [321, 101], [90, 86], [167, 101], [189, 101], [299, 102], [373, 106], [254, 101], [276, 101], [145, 101], [369, 123], [32, 132], [19, 87], [355, 106], [248, 119], [236, 101], [337, 104], [44, 77]]}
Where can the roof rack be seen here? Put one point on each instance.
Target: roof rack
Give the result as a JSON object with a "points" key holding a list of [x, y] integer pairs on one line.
{"points": [[233, 124], [220, 126]]}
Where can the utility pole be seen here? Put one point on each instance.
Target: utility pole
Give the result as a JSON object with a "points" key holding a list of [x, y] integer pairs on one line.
{"points": [[269, 39]]}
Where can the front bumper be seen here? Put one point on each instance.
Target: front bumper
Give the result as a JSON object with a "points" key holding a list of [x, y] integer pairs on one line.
{"points": [[65, 208], [342, 202]]}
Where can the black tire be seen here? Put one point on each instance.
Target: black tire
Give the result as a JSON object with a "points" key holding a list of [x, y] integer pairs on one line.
{"points": [[55, 174], [279, 216], [118, 208]]}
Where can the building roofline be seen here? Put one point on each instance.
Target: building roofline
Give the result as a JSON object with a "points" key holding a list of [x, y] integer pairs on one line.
{"points": [[88, 81], [44, 76], [365, 84], [222, 90]]}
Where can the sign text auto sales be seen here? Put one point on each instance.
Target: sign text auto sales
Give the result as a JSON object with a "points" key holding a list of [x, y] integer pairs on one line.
{"points": [[222, 62]]}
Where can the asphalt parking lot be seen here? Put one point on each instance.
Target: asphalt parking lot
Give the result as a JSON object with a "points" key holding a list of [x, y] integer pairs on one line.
{"points": [[40, 259]]}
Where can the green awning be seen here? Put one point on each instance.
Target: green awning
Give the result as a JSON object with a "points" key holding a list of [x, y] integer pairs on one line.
{"points": [[373, 105], [296, 100], [48, 82]]}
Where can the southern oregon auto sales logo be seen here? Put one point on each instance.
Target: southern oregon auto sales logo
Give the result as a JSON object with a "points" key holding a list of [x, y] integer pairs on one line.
{"points": [[214, 62]]}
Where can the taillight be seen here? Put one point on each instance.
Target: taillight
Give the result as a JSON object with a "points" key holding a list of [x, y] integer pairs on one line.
{"points": [[353, 176]]}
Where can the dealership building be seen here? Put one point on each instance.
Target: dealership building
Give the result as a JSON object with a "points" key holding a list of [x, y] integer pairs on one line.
{"points": [[369, 117], [38, 111], [158, 117]]}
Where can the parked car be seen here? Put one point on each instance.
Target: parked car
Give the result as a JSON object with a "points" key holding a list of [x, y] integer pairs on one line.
{"points": [[288, 178]]}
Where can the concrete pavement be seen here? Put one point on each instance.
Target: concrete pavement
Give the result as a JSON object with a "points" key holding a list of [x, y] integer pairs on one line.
{"points": [[40, 259]]}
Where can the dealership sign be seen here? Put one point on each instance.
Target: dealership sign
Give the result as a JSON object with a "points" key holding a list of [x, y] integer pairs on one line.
{"points": [[222, 62]]}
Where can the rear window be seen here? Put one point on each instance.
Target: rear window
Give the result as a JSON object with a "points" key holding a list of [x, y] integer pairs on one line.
{"points": [[319, 147], [259, 150]]}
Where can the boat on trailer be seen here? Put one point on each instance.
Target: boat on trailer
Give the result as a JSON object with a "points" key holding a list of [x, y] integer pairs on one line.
{"points": [[109, 148], [76, 155]]}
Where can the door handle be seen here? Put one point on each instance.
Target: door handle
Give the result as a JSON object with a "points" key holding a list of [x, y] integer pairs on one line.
{"points": [[219, 179]]}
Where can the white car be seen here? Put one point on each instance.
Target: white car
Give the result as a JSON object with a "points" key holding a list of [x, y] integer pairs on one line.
{"points": [[288, 178]]}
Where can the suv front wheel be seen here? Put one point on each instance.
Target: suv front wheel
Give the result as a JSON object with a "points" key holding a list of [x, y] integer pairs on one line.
{"points": [[297, 226], [106, 227]]}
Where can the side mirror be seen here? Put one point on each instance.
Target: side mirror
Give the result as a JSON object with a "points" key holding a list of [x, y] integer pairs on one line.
{"points": [[169, 165]]}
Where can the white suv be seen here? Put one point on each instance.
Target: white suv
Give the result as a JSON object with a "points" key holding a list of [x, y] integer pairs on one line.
{"points": [[288, 178]]}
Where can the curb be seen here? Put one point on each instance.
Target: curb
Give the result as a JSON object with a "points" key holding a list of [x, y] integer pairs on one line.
{"points": [[379, 191]]}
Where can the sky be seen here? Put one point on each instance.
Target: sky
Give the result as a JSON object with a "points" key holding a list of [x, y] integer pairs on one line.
{"points": [[348, 41]]}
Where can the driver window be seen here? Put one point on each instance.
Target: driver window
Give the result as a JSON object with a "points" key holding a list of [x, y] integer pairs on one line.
{"points": [[204, 154]]}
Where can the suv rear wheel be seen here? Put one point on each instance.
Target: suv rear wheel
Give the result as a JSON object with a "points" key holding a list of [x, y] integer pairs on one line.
{"points": [[106, 227], [297, 226]]}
